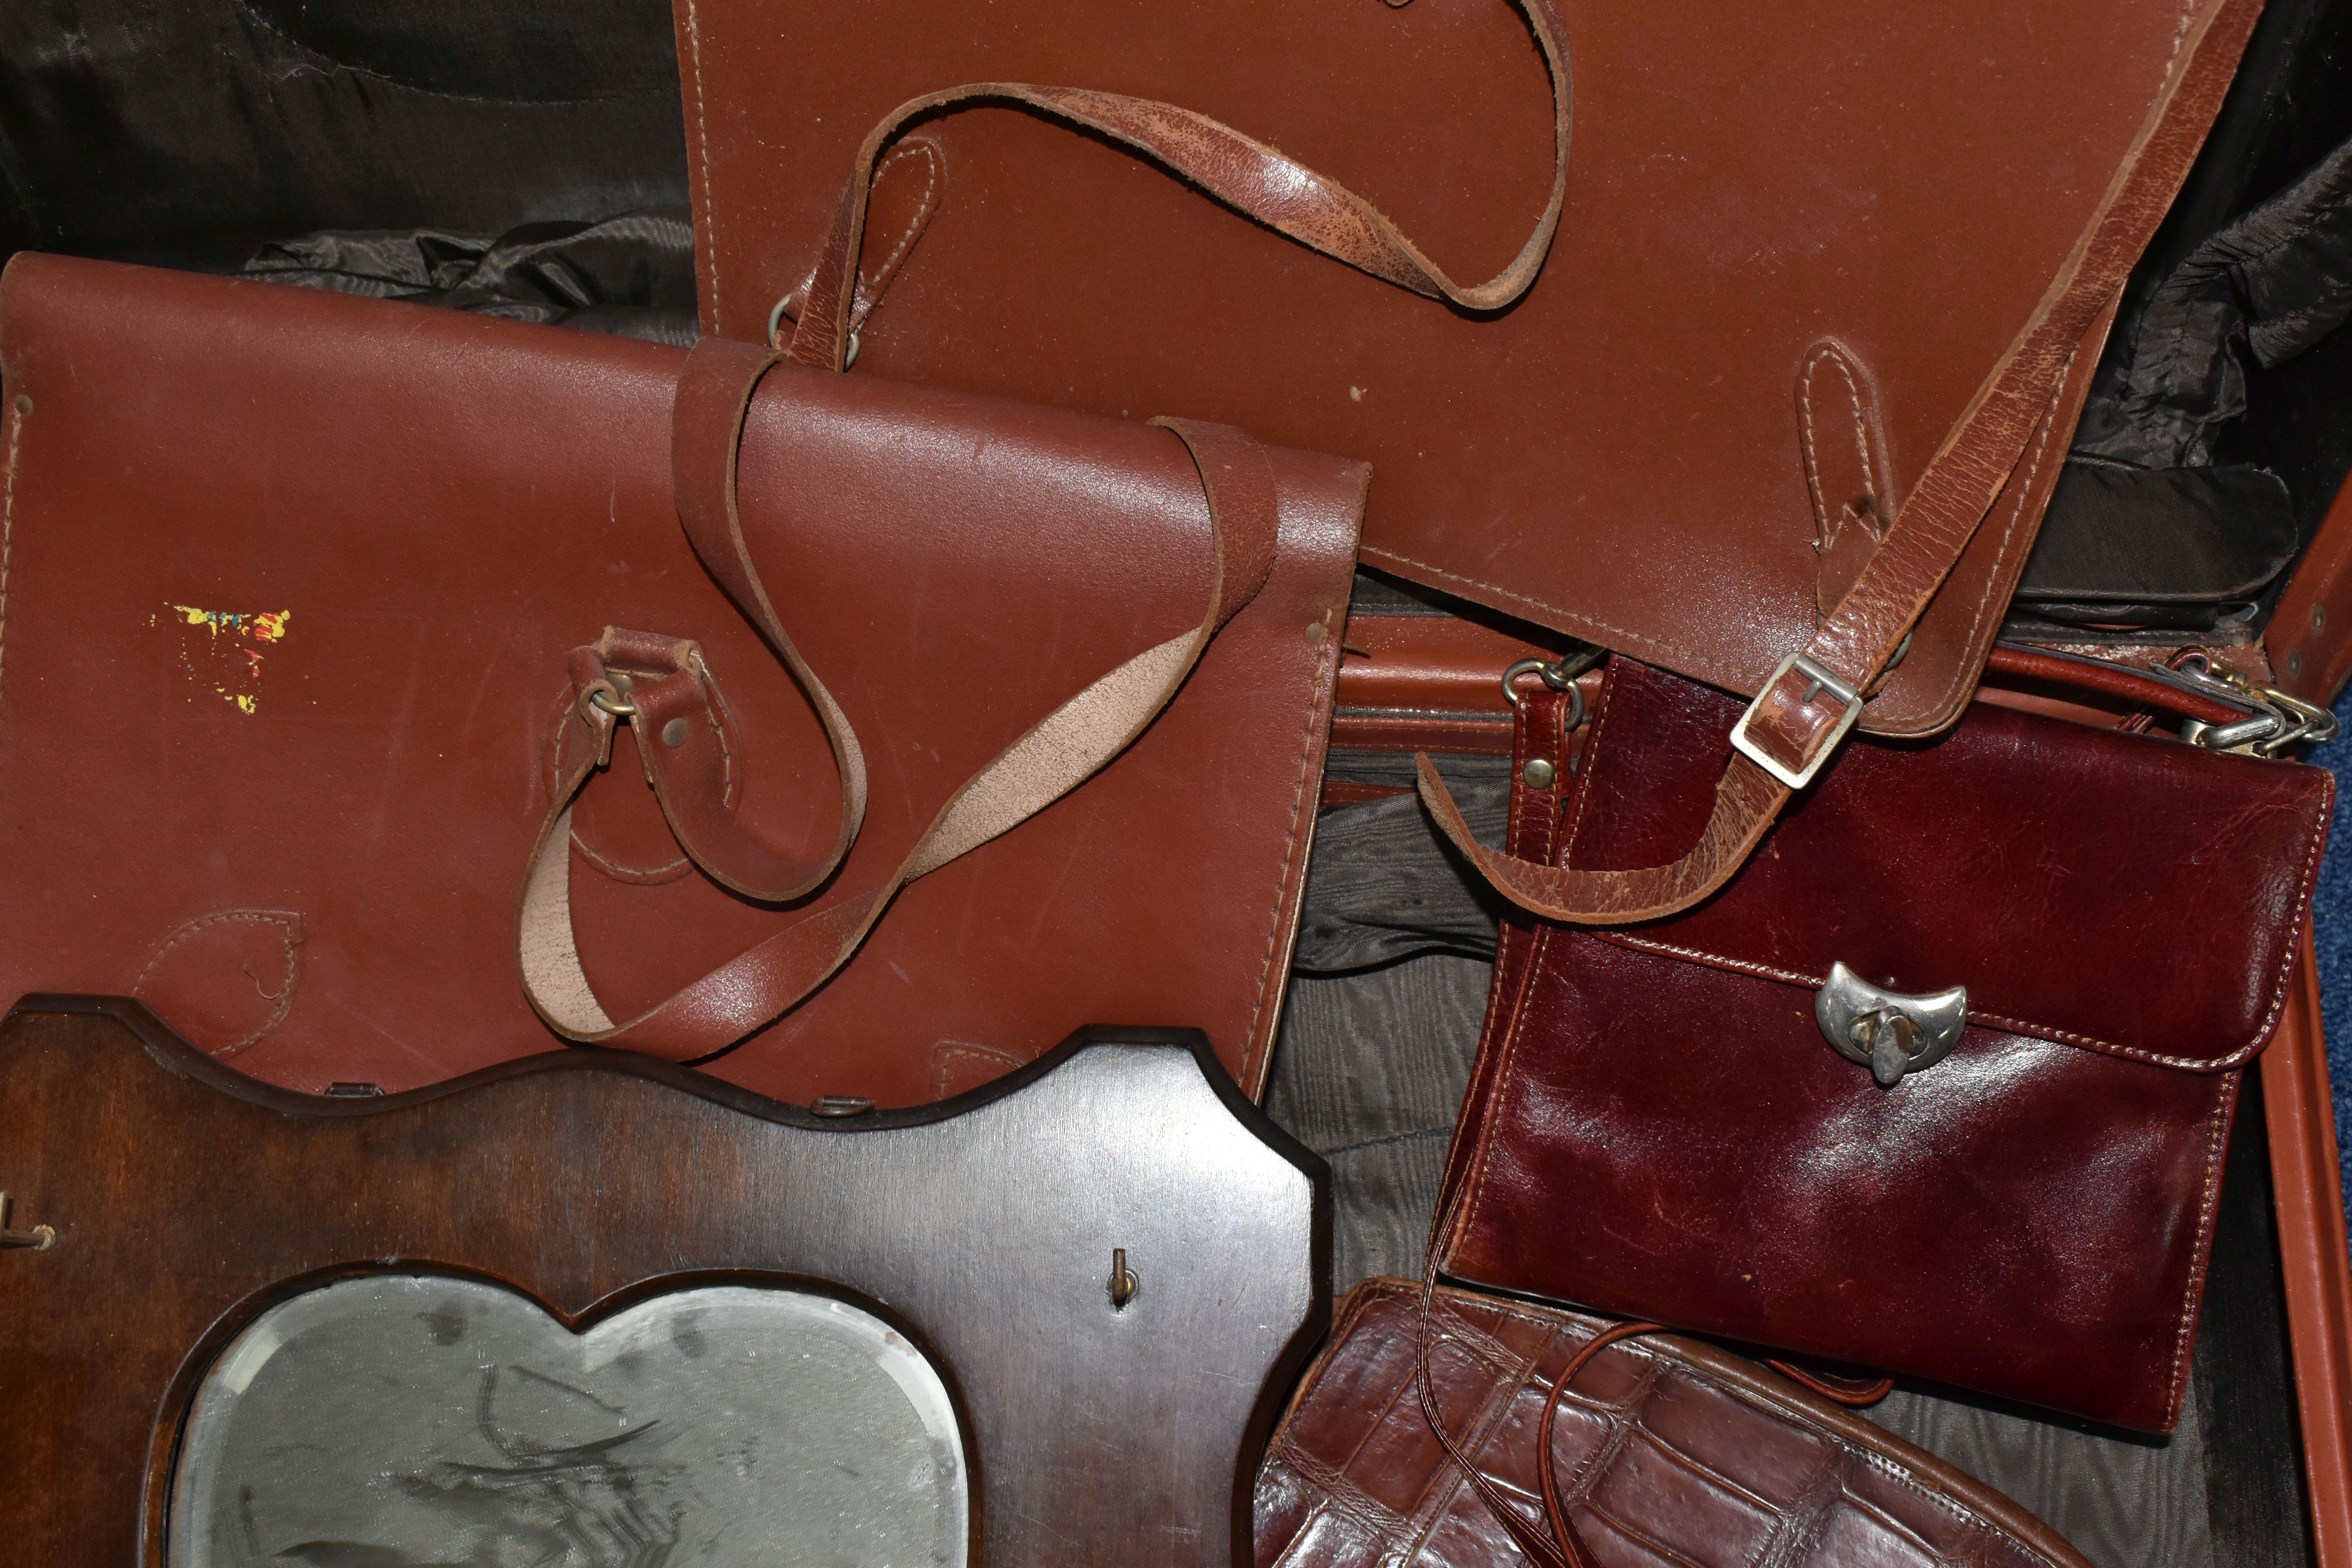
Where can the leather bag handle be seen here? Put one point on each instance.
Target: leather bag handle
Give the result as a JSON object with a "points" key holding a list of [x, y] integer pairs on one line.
{"points": [[1046, 762], [1814, 697], [1239, 171]]}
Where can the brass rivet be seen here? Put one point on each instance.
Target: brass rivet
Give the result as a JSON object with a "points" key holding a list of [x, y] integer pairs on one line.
{"points": [[2319, 618], [2295, 661], [1539, 774], [674, 733]]}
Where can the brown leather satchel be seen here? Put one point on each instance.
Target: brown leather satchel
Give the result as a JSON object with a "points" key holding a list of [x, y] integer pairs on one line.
{"points": [[1820, 296], [321, 613], [1939, 1083], [1662, 1451]]}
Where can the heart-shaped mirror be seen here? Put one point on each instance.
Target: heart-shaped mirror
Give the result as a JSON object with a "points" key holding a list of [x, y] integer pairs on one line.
{"points": [[402, 1421]]}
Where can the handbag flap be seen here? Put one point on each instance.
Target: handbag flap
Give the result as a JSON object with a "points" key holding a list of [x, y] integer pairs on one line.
{"points": [[2126, 893]]}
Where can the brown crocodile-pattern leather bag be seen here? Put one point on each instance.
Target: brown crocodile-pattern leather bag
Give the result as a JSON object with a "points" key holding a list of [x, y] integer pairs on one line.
{"points": [[1998, 1167], [350, 649], [1663, 1450]]}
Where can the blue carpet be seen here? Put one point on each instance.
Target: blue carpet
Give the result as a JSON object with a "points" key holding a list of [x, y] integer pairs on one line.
{"points": [[2331, 917]]}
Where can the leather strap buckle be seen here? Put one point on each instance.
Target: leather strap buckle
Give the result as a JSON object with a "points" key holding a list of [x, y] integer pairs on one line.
{"points": [[1819, 680]]}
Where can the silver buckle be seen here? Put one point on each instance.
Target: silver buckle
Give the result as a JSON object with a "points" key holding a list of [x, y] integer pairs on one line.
{"points": [[1823, 681]]}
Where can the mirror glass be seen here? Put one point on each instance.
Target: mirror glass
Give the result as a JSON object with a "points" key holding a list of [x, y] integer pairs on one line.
{"points": [[392, 1420]]}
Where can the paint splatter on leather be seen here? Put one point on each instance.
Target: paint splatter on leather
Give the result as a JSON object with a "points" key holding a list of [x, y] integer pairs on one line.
{"points": [[226, 656]]}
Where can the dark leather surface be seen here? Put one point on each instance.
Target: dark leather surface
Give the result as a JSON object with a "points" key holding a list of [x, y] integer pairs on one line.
{"points": [[1658, 1129], [1742, 188], [1667, 1452], [321, 880]]}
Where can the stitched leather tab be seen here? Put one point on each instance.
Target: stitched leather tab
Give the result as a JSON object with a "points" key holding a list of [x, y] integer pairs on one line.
{"points": [[1845, 466]]}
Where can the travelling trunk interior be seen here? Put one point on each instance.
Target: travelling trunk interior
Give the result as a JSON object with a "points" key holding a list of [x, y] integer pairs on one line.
{"points": [[489, 159]]}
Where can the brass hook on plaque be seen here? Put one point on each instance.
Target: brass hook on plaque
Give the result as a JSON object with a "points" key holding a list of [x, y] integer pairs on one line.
{"points": [[1123, 1282], [40, 1238]]}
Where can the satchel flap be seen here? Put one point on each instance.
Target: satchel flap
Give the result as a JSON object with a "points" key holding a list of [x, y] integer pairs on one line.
{"points": [[2126, 893]]}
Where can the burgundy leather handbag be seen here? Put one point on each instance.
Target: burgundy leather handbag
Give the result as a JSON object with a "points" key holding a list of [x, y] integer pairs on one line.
{"points": [[1820, 295], [1938, 1083], [1661, 1450], [952, 725]]}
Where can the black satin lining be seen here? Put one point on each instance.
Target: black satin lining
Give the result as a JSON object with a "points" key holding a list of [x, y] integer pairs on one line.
{"points": [[2146, 529], [2263, 289], [631, 275], [2158, 547], [186, 132]]}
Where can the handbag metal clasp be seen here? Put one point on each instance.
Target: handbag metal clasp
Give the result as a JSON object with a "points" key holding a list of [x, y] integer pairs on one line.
{"points": [[1888, 1032]]}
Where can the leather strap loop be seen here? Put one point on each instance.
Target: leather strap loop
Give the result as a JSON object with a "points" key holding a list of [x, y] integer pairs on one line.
{"points": [[685, 743], [1795, 721], [1053, 757], [1244, 173], [714, 399]]}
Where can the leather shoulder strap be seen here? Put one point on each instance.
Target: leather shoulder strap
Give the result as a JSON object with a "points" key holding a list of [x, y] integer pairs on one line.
{"points": [[1241, 171]]}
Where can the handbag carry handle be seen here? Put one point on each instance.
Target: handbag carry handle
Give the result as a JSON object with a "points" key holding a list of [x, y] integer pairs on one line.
{"points": [[1046, 761], [1239, 171], [1812, 700]]}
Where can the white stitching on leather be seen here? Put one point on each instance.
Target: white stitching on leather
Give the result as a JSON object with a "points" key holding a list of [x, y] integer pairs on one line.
{"points": [[2008, 535], [1690, 659], [2221, 1103], [932, 159], [1805, 434], [708, 215], [17, 417], [289, 935], [2237, 1057], [1317, 717], [1553, 849], [1835, 354]]}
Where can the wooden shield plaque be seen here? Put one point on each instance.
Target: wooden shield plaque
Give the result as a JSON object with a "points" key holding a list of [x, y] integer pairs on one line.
{"points": [[590, 1309]]}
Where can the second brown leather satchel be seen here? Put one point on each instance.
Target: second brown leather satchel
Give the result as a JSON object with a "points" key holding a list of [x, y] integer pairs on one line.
{"points": [[1786, 314], [1938, 1083], [1771, 391], [337, 631]]}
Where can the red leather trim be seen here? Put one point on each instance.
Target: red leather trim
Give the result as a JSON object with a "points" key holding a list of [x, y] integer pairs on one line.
{"points": [[2308, 1196], [1348, 792], [2118, 680], [2309, 638], [1394, 730], [1442, 663]]}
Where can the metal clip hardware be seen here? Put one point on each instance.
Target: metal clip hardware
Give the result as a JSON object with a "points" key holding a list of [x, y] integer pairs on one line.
{"points": [[1823, 680], [1892, 1034], [40, 1238], [1560, 674], [2275, 721], [1123, 1282]]}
